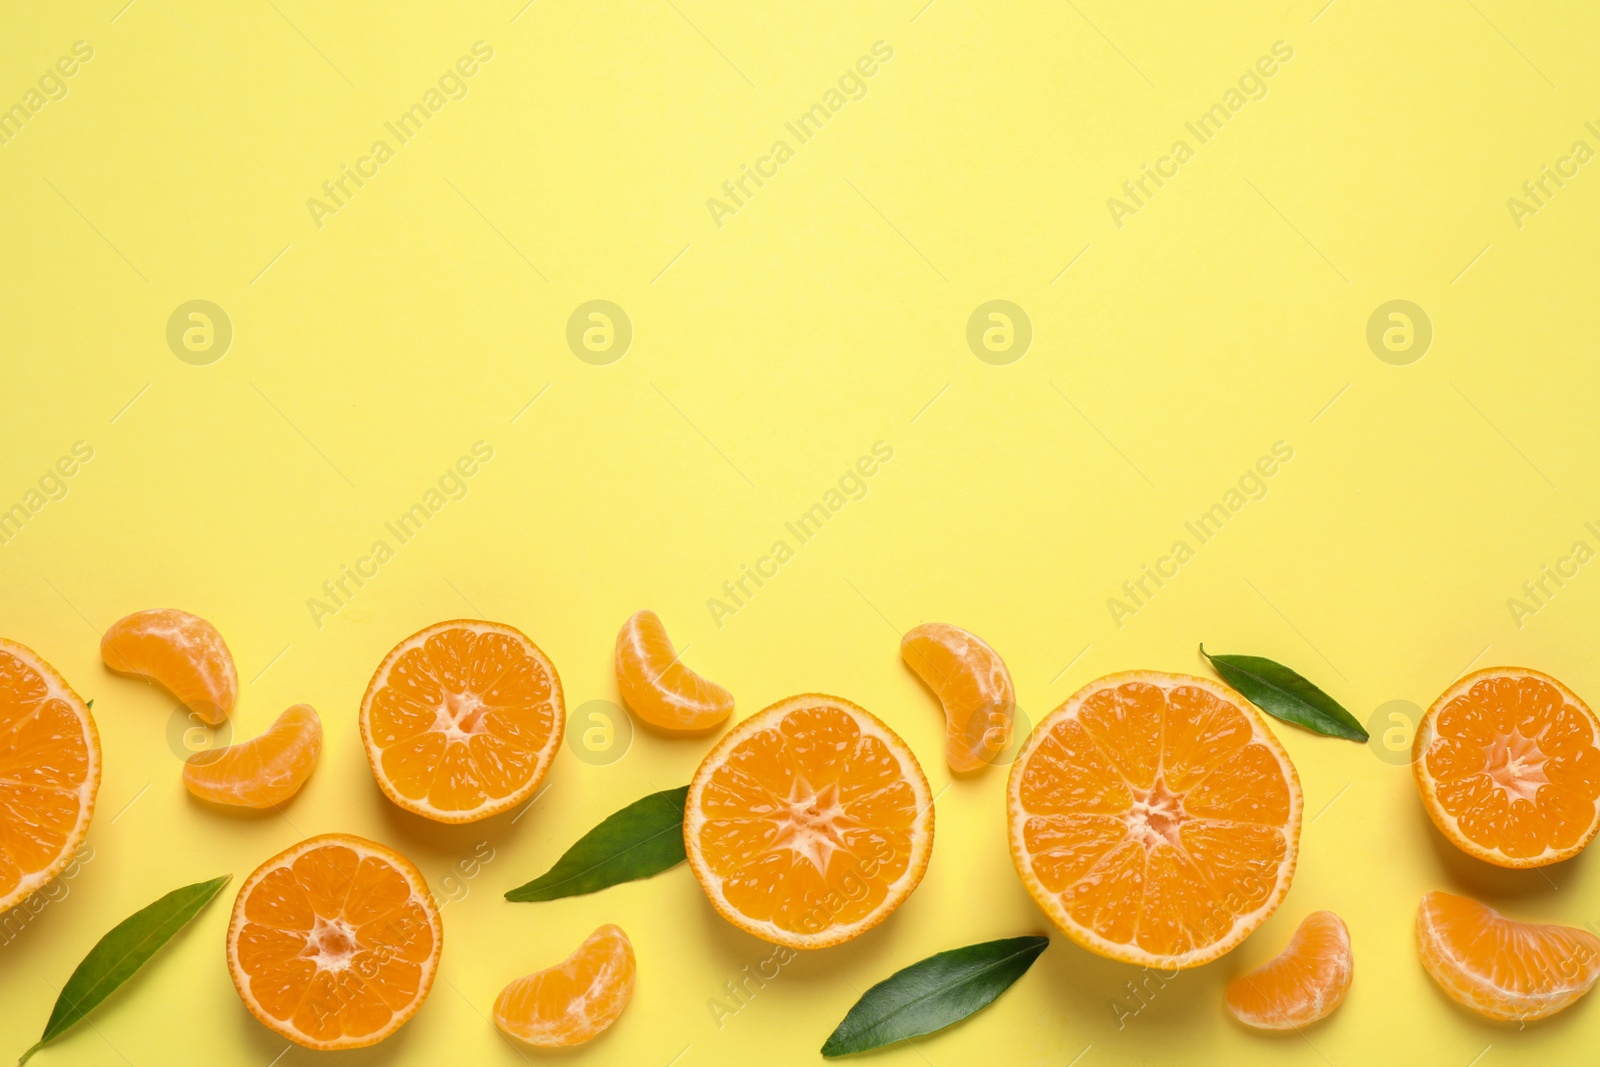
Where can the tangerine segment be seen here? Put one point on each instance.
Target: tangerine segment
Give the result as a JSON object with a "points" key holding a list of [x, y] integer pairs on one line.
{"points": [[1508, 764], [264, 772], [462, 720], [1306, 982], [971, 681], [183, 652], [49, 772], [576, 999], [809, 822], [658, 688], [335, 942], [1155, 818], [1500, 968]]}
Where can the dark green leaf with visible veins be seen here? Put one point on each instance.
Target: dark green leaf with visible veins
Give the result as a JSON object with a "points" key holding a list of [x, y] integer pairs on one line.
{"points": [[642, 839], [927, 996], [119, 954], [1283, 694]]}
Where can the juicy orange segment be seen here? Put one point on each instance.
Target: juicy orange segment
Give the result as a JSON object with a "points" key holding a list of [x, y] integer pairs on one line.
{"points": [[261, 773], [182, 652], [971, 681], [335, 942], [576, 999], [462, 720], [809, 822], [1306, 982], [1500, 968], [49, 772], [1508, 764], [658, 688], [1154, 818]]}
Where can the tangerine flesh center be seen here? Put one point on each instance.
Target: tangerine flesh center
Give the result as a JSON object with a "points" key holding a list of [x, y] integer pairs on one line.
{"points": [[331, 944], [813, 823], [461, 716], [1516, 765], [1156, 816]]}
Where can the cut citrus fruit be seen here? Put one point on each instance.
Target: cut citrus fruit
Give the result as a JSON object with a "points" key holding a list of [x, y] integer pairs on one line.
{"points": [[1508, 764], [971, 681], [462, 720], [809, 822], [264, 772], [335, 942], [1306, 982], [183, 652], [1155, 818], [1500, 968], [49, 772], [658, 688], [576, 999]]}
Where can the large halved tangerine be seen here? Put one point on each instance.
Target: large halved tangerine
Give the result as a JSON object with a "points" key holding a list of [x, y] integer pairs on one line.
{"points": [[462, 720], [49, 772], [335, 942], [809, 822], [1508, 764], [1154, 818]]}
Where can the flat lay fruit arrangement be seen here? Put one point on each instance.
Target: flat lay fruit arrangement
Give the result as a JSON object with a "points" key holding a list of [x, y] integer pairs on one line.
{"points": [[1154, 818]]}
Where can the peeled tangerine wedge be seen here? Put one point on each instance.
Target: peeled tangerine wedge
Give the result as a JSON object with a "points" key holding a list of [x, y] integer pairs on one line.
{"points": [[261, 773], [334, 943], [1154, 818], [1508, 764], [462, 720], [971, 681], [658, 688], [1499, 968], [1303, 984], [49, 772], [576, 999], [809, 822], [181, 651]]}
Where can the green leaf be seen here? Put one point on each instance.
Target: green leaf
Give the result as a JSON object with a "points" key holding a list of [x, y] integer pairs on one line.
{"points": [[642, 839], [117, 956], [927, 996], [1283, 694]]}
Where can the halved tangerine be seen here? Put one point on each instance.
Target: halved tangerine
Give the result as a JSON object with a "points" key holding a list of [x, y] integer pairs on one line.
{"points": [[264, 772], [971, 681], [181, 651], [1500, 968], [49, 772], [809, 822], [1508, 764], [334, 943], [657, 687], [1304, 983], [1154, 818], [462, 720], [576, 999]]}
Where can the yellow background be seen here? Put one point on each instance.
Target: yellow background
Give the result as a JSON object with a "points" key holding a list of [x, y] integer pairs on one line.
{"points": [[768, 354]]}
